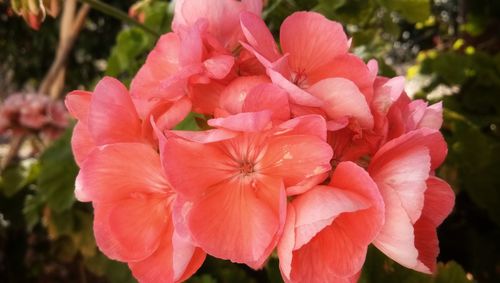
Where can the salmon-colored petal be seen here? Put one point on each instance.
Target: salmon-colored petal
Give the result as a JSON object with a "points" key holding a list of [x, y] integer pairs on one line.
{"points": [[396, 239], [122, 231], [78, 104], [439, 201], [432, 139], [310, 124], [297, 95], [311, 40], [296, 158], [82, 142], [433, 117], [242, 227], [233, 96], [319, 207], [162, 63], [268, 97], [404, 173], [161, 265], [208, 136], [112, 115], [191, 167], [329, 228], [349, 67], [258, 36], [119, 171], [218, 67], [205, 97], [166, 116], [342, 98], [244, 122]]}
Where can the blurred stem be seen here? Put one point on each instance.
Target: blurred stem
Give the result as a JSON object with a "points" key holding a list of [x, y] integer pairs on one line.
{"points": [[452, 115], [67, 39], [118, 14], [271, 9]]}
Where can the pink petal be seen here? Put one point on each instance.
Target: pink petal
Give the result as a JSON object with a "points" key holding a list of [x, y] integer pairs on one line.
{"points": [[119, 171], [404, 172], [258, 36], [344, 219], [311, 40], [296, 158], [82, 142], [160, 266], [208, 136], [122, 231], [205, 97], [162, 63], [343, 99], [112, 114], [190, 178], [244, 122], [349, 67], [233, 96], [438, 204], [396, 239], [297, 95], [311, 124], [433, 117], [243, 227], [268, 97], [218, 67], [78, 104], [431, 139]]}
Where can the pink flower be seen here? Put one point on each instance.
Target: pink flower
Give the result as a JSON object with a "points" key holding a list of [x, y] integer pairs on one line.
{"points": [[314, 49], [133, 212], [329, 228], [235, 178], [109, 115], [222, 17], [415, 201]]}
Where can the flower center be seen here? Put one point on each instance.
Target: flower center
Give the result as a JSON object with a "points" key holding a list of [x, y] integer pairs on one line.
{"points": [[246, 168], [300, 79]]}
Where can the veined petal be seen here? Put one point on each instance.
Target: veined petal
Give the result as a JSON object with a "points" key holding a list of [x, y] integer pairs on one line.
{"points": [[233, 96], [311, 40], [112, 115], [342, 98], [268, 97], [82, 142], [78, 104], [120, 171], [439, 202], [244, 122], [296, 158], [130, 229], [258, 36], [242, 226]]}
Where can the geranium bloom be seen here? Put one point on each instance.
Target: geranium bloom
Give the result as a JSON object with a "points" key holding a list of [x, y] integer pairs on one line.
{"points": [[402, 169], [314, 49], [234, 179], [133, 212], [329, 228], [109, 115]]}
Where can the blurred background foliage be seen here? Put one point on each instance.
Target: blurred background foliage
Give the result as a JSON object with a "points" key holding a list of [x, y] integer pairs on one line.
{"points": [[448, 50]]}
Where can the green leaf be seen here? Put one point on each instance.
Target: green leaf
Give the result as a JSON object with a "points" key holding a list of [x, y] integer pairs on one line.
{"points": [[451, 272], [17, 176], [57, 174]]}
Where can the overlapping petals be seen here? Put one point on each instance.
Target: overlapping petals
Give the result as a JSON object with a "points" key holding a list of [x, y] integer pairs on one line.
{"points": [[299, 147]]}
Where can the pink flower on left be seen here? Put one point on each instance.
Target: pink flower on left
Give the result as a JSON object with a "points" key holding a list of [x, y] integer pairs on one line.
{"points": [[121, 174]]}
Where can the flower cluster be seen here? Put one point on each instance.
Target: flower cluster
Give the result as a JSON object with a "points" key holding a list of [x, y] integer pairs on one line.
{"points": [[305, 150], [22, 114]]}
